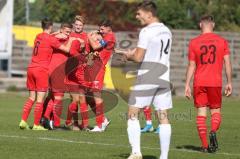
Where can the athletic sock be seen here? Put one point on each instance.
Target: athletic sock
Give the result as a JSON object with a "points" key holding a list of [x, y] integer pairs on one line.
{"points": [[165, 138], [57, 111], [99, 114], [215, 121], [134, 135], [84, 114], [202, 130], [49, 109], [38, 113], [72, 108], [147, 113], [27, 109]]}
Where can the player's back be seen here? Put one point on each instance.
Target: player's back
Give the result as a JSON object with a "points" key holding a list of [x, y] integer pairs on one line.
{"points": [[42, 51], [208, 51]]}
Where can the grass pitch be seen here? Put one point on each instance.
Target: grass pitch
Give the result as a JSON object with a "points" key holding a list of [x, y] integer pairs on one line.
{"points": [[113, 144]]}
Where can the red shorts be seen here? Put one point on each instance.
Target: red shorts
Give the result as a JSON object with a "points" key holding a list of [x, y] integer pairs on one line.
{"points": [[96, 81], [56, 79], [74, 81], [37, 79], [99, 81], [208, 97], [94, 74]]}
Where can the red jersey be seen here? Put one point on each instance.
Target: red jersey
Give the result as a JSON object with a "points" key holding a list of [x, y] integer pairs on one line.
{"points": [[75, 75], [58, 57], [208, 51], [106, 52], [43, 48], [75, 48]]}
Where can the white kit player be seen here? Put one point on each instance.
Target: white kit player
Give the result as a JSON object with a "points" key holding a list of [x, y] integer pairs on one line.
{"points": [[152, 85]]}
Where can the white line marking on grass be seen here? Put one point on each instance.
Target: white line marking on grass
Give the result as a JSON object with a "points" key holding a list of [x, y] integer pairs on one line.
{"points": [[107, 144]]}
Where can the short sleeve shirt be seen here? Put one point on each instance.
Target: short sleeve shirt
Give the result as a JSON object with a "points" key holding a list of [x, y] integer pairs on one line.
{"points": [[208, 51]]}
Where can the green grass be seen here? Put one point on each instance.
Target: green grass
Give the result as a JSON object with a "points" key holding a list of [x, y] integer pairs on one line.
{"points": [[113, 144]]}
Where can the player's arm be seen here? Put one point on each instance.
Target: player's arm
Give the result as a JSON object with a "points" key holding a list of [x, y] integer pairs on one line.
{"points": [[96, 44], [136, 54], [190, 69], [66, 47], [189, 74], [228, 70]]}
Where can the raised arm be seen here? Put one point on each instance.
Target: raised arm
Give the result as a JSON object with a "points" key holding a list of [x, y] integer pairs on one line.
{"points": [[94, 41]]}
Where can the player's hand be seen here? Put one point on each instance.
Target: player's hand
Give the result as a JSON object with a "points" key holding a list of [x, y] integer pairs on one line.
{"points": [[130, 53], [96, 53], [188, 93], [82, 42], [228, 89], [92, 34]]}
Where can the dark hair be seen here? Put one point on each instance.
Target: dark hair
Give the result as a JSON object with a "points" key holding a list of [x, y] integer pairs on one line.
{"points": [[207, 18], [148, 6], [46, 23], [106, 23], [66, 25]]}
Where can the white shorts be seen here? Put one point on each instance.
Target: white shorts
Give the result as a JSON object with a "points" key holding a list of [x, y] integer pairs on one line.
{"points": [[161, 101]]}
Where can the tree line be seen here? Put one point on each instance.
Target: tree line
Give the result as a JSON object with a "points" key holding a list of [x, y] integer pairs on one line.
{"points": [[177, 14]]}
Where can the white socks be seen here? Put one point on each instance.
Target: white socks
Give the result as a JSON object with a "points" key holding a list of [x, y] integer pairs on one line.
{"points": [[165, 138], [134, 135]]}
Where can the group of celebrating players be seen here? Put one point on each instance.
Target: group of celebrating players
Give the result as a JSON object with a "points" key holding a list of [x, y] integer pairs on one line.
{"points": [[73, 61], [68, 61]]}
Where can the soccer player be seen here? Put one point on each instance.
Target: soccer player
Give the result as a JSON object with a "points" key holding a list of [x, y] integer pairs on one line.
{"points": [[57, 74], [37, 73], [153, 51], [77, 78], [207, 54], [104, 48]]}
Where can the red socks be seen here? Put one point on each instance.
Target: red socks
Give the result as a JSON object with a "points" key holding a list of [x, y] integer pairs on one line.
{"points": [[202, 130], [57, 111], [84, 114], [215, 122], [72, 108], [99, 114], [147, 112], [49, 109], [38, 113], [27, 109]]}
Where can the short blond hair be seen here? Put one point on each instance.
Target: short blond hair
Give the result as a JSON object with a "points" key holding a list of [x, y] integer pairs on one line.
{"points": [[79, 18]]}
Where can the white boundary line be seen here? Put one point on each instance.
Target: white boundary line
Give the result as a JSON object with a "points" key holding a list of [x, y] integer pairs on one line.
{"points": [[106, 144]]}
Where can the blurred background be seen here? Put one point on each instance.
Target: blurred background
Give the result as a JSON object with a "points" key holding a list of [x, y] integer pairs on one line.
{"points": [[20, 22]]}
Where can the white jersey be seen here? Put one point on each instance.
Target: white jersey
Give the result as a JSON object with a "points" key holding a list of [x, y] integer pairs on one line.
{"points": [[152, 85], [156, 39]]}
